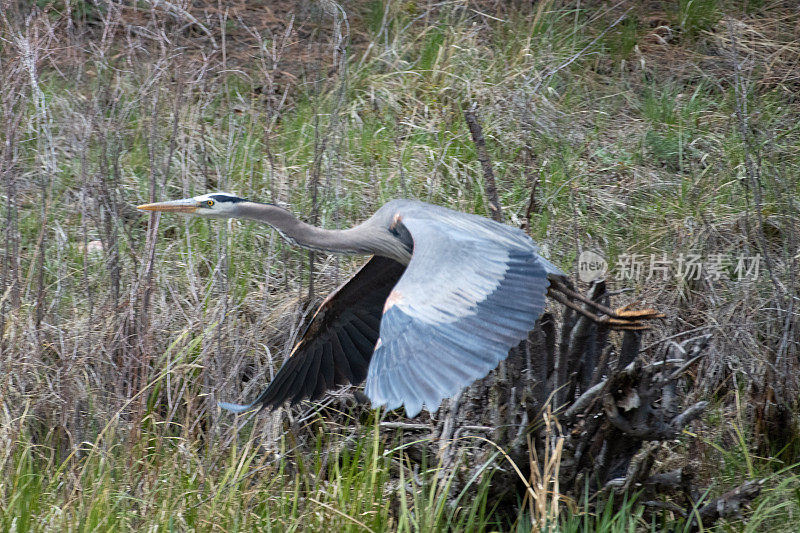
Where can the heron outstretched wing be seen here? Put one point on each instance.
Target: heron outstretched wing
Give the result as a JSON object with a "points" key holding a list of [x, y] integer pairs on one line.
{"points": [[473, 289], [338, 342]]}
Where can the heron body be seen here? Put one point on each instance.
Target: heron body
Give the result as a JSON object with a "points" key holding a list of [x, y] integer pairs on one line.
{"points": [[443, 299]]}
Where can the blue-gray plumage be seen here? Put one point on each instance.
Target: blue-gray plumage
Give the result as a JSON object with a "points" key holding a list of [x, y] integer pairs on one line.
{"points": [[440, 304], [472, 290]]}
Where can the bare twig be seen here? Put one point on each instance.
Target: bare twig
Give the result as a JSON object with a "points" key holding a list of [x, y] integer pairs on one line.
{"points": [[486, 163]]}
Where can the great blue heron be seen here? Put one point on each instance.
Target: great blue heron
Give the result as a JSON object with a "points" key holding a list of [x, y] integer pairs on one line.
{"points": [[440, 303]]}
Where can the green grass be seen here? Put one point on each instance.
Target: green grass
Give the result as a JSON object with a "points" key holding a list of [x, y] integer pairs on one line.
{"points": [[169, 483], [695, 16], [162, 482]]}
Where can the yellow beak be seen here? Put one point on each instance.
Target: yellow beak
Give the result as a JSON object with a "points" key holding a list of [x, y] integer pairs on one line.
{"points": [[186, 205]]}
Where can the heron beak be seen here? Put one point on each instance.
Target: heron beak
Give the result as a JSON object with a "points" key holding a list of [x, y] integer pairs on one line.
{"points": [[186, 205]]}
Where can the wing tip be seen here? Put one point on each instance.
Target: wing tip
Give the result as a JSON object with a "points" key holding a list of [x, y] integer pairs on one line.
{"points": [[412, 407], [236, 407]]}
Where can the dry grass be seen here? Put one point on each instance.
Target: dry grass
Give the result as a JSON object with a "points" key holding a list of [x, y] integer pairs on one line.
{"points": [[545, 501]]}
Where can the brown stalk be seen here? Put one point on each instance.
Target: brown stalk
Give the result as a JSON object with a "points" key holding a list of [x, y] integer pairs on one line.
{"points": [[490, 187]]}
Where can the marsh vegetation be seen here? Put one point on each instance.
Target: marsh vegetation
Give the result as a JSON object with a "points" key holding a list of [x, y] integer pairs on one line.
{"points": [[649, 129]]}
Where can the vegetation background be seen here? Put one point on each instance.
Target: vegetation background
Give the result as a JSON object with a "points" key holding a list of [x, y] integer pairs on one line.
{"points": [[652, 127]]}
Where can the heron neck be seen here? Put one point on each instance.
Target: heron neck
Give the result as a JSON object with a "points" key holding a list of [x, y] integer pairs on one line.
{"points": [[366, 238]]}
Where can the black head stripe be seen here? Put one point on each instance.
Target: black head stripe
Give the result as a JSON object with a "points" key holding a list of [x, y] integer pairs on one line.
{"points": [[226, 198]]}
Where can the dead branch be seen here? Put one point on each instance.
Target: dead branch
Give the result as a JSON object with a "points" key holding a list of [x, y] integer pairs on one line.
{"points": [[486, 163], [730, 504]]}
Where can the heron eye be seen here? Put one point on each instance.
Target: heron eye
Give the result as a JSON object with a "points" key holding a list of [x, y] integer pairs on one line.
{"points": [[209, 203]]}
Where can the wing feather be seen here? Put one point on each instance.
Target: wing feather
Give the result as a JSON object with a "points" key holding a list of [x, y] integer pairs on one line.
{"points": [[472, 290], [361, 341], [303, 377], [342, 368], [325, 376], [337, 345]]}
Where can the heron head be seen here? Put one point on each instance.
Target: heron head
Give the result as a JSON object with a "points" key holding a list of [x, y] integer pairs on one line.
{"points": [[215, 204]]}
